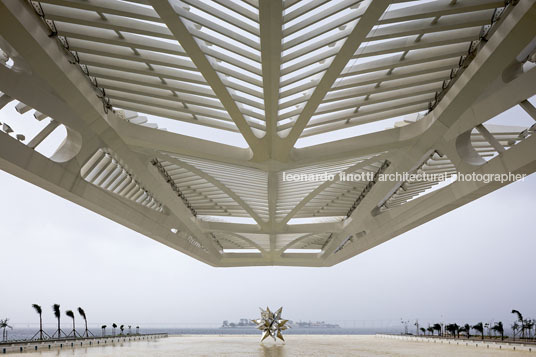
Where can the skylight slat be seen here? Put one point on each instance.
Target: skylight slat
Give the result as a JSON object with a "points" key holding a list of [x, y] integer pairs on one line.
{"points": [[171, 114], [438, 8], [112, 22], [317, 43], [376, 116], [238, 73], [242, 10], [361, 102], [308, 59], [141, 68], [298, 11], [228, 82], [225, 31], [313, 19], [445, 23], [113, 7], [364, 119], [169, 105], [385, 86], [379, 98], [127, 53], [319, 30], [304, 72], [429, 40], [402, 72], [150, 81], [107, 36], [237, 49], [350, 114], [160, 93], [225, 16], [413, 57]]}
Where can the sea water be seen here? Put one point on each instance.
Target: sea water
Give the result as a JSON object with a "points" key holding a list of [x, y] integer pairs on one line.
{"points": [[27, 333]]}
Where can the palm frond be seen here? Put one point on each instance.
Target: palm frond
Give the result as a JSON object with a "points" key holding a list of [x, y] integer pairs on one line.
{"points": [[479, 327], [4, 324], [70, 314], [56, 309], [82, 312], [519, 316], [37, 308], [498, 327]]}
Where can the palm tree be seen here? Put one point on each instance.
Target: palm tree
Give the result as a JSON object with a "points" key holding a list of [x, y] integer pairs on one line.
{"points": [[56, 309], [114, 326], [103, 327], [137, 330], [83, 314], [70, 313], [122, 328], [4, 325], [423, 330], [498, 327], [520, 319], [437, 327], [453, 329], [430, 329], [467, 329], [38, 309], [480, 328], [449, 328], [515, 327], [529, 324]]}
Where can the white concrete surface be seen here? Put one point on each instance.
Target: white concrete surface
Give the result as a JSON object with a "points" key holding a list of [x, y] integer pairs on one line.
{"points": [[296, 345]]}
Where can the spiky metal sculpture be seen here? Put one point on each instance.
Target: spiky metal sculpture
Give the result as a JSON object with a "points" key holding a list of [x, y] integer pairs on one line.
{"points": [[271, 324]]}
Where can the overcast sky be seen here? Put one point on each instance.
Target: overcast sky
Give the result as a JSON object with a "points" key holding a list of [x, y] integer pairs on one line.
{"points": [[475, 263]]}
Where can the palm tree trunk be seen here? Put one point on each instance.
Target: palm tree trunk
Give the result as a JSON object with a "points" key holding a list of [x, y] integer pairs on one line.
{"points": [[40, 327]]}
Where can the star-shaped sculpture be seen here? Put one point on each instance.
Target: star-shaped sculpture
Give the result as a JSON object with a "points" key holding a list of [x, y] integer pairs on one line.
{"points": [[271, 324]]}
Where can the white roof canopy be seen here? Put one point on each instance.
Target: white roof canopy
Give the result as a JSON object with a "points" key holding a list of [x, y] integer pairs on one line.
{"points": [[212, 126]]}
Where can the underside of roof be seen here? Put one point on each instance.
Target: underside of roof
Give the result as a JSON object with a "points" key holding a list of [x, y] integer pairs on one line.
{"points": [[257, 132]]}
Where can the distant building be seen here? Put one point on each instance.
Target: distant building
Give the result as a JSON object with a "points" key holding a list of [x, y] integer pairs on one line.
{"points": [[316, 324], [241, 323], [300, 324]]}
